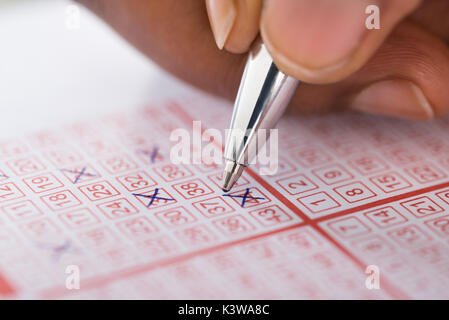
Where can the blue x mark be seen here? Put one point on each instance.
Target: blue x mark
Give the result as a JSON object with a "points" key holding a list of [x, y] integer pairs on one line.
{"points": [[244, 197], [153, 154], [79, 173], [59, 250], [152, 197]]}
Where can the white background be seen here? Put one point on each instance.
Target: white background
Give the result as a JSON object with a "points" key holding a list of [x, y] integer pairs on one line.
{"points": [[51, 74]]}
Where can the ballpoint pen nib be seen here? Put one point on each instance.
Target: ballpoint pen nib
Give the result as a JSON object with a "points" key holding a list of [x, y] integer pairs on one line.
{"points": [[231, 173]]}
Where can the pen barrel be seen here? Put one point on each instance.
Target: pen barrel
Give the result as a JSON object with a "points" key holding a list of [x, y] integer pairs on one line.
{"points": [[263, 96]]}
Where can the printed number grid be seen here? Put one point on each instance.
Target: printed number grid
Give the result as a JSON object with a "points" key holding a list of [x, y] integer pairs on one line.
{"points": [[350, 191]]}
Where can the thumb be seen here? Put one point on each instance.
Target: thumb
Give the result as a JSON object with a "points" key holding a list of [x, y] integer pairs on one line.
{"points": [[323, 41]]}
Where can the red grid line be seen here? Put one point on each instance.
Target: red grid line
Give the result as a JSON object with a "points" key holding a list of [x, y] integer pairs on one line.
{"points": [[6, 289], [178, 111], [99, 281], [383, 201], [390, 289]]}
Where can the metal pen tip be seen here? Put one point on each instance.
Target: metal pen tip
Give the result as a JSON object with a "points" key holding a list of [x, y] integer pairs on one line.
{"points": [[231, 174]]}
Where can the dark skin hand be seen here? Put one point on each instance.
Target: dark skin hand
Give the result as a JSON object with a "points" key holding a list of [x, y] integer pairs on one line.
{"points": [[401, 70]]}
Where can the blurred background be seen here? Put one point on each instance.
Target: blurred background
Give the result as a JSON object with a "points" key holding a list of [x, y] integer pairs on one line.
{"points": [[59, 64]]}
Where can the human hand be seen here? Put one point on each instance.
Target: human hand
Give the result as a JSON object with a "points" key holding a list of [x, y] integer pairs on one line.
{"points": [[400, 70]]}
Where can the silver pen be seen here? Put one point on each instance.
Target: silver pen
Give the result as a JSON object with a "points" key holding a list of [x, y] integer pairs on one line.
{"points": [[263, 96]]}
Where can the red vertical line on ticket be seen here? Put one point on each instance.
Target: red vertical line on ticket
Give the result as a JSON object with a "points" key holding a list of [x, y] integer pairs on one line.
{"points": [[177, 110], [104, 280], [6, 289], [389, 288], [99, 281]]}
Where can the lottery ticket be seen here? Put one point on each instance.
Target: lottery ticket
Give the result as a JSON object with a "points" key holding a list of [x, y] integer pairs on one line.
{"points": [[357, 210]]}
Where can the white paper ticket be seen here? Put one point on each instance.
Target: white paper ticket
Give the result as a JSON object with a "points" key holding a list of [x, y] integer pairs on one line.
{"points": [[358, 209]]}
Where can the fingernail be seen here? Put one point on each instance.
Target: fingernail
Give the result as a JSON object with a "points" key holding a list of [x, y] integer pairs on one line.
{"points": [[222, 14], [314, 34], [397, 98]]}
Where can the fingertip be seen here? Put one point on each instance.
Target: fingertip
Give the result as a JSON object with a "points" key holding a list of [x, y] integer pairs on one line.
{"points": [[246, 26], [396, 98], [323, 41], [235, 24], [222, 15]]}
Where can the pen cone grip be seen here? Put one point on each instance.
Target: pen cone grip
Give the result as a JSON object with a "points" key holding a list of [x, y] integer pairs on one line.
{"points": [[263, 95]]}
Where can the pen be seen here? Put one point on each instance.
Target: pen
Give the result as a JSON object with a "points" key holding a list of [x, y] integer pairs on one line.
{"points": [[263, 96]]}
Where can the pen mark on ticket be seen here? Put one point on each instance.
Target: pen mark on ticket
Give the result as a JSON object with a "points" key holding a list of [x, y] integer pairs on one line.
{"points": [[350, 191]]}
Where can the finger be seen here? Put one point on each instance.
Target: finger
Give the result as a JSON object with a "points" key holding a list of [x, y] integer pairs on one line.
{"points": [[323, 41], [177, 37], [235, 23], [434, 15], [406, 78], [409, 55]]}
